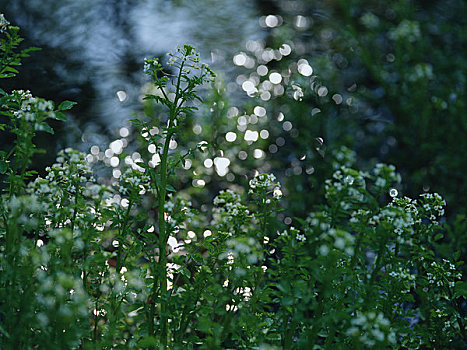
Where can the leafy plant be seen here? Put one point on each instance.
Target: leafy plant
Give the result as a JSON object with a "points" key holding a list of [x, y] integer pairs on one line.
{"points": [[89, 263]]}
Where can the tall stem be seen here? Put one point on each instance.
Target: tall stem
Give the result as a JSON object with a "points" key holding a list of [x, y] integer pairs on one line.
{"points": [[163, 234]]}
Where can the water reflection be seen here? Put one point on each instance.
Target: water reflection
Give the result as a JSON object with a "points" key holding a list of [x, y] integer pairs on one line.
{"points": [[103, 42]]}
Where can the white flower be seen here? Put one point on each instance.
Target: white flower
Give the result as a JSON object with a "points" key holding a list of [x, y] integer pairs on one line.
{"points": [[301, 238], [3, 23], [277, 193]]}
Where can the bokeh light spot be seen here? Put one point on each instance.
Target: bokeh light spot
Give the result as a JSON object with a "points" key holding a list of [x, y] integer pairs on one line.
{"points": [[230, 136], [262, 70], [121, 95], [259, 111], [124, 132], [251, 135], [275, 78]]}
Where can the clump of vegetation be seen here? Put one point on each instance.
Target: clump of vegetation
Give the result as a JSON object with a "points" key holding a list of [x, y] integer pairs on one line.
{"points": [[131, 264]]}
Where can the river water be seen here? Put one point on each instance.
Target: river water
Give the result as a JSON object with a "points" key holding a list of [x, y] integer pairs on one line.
{"points": [[93, 49]]}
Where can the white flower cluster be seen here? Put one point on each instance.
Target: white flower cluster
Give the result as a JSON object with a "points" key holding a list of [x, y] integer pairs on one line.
{"points": [[21, 211], [421, 71], [3, 23], [133, 182], [319, 221], [400, 219], [70, 170], [349, 182], [298, 236], [178, 211], [242, 248], [371, 328], [151, 65], [338, 239], [191, 63], [433, 202], [31, 106], [385, 175], [95, 191], [449, 318], [181, 53], [70, 174], [443, 274], [57, 287], [262, 183], [406, 30], [343, 157], [409, 205], [402, 274], [369, 20], [227, 208], [358, 216], [227, 196]]}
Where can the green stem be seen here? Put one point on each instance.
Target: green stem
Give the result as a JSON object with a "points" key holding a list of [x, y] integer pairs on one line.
{"points": [[376, 269], [123, 228], [289, 331], [163, 234], [312, 336], [163, 240], [462, 332], [72, 224]]}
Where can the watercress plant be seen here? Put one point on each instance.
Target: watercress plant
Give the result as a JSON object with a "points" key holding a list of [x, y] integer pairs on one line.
{"points": [[92, 263]]}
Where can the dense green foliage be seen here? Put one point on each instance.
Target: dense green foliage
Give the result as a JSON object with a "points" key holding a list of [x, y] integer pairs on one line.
{"points": [[130, 263]]}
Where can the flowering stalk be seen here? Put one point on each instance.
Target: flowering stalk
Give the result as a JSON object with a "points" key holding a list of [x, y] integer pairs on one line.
{"points": [[190, 75]]}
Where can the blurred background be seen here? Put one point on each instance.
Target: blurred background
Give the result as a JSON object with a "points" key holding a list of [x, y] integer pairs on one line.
{"points": [[297, 81]]}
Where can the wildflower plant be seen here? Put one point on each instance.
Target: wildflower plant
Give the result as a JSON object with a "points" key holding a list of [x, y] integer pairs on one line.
{"points": [[90, 263]]}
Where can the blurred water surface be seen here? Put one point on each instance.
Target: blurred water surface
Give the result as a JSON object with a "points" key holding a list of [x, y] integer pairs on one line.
{"points": [[92, 50]]}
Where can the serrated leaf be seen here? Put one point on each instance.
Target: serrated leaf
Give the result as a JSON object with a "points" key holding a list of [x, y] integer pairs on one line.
{"points": [[66, 105]]}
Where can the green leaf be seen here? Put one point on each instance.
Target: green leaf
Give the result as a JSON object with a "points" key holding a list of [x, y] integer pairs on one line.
{"points": [[44, 127], [30, 49], [65, 105], [438, 237], [58, 116], [3, 166], [186, 273], [170, 188], [10, 69], [460, 289], [4, 332], [148, 342], [301, 221]]}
